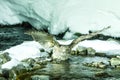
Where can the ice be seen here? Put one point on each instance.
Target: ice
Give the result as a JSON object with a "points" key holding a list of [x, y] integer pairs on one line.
{"points": [[7, 16], [84, 15], [56, 16]]}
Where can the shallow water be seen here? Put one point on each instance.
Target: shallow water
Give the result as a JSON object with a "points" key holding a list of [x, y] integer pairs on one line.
{"points": [[73, 69]]}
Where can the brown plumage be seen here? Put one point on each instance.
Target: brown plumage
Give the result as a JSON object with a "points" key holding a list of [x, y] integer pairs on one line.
{"points": [[43, 38], [60, 52]]}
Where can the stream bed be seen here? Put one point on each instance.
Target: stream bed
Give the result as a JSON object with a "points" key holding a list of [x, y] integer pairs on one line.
{"points": [[78, 67]]}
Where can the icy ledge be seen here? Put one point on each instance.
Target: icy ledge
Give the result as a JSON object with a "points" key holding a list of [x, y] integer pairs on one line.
{"points": [[56, 16]]}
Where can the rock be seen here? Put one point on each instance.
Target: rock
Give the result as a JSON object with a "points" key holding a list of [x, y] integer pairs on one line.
{"points": [[87, 64], [118, 67], [12, 74], [115, 61], [96, 65], [114, 39], [16, 72], [0, 71], [84, 51], [73, 52], [42, 50], [40, 77], [81, 51], [91, 51], [4, 57], [24, 69], [42, 60], [5, 73], [102, 74], [20, 68], [36, 62], [29, 61], [100, 54], [102, 66]]}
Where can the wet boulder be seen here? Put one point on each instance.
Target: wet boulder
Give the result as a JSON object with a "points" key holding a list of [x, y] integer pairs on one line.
{"points": [[115, 61], [4, 57]]}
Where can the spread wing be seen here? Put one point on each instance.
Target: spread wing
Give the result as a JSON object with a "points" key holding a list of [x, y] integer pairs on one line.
{"points": [[42, 37], [81, 38]]}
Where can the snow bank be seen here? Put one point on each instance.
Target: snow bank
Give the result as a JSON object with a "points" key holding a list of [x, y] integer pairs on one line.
{"points": [[56, 16], [7, 15], [84, 15], [79, 15], [30, 49], [35, 12], [108, 47]]}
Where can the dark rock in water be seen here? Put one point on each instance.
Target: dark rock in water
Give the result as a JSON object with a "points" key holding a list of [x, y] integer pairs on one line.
{"points": [[80, 51], [83, 51], [13, 35], [96, 64], [91, 51], [115, 61], [102, 74], [5, 73], [4, 57]]}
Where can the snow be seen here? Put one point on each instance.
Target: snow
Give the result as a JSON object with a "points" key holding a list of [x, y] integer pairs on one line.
{"points": [[26, 50], [27, 11], [11, 64], [7, 16], [108, 47], [64, 42], [84, 15], [29, 49], [56, 16]]}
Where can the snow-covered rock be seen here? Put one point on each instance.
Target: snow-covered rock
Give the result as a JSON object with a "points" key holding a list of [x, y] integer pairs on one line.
{"points": [[79, 15], [30, 49], [108, 47]]}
